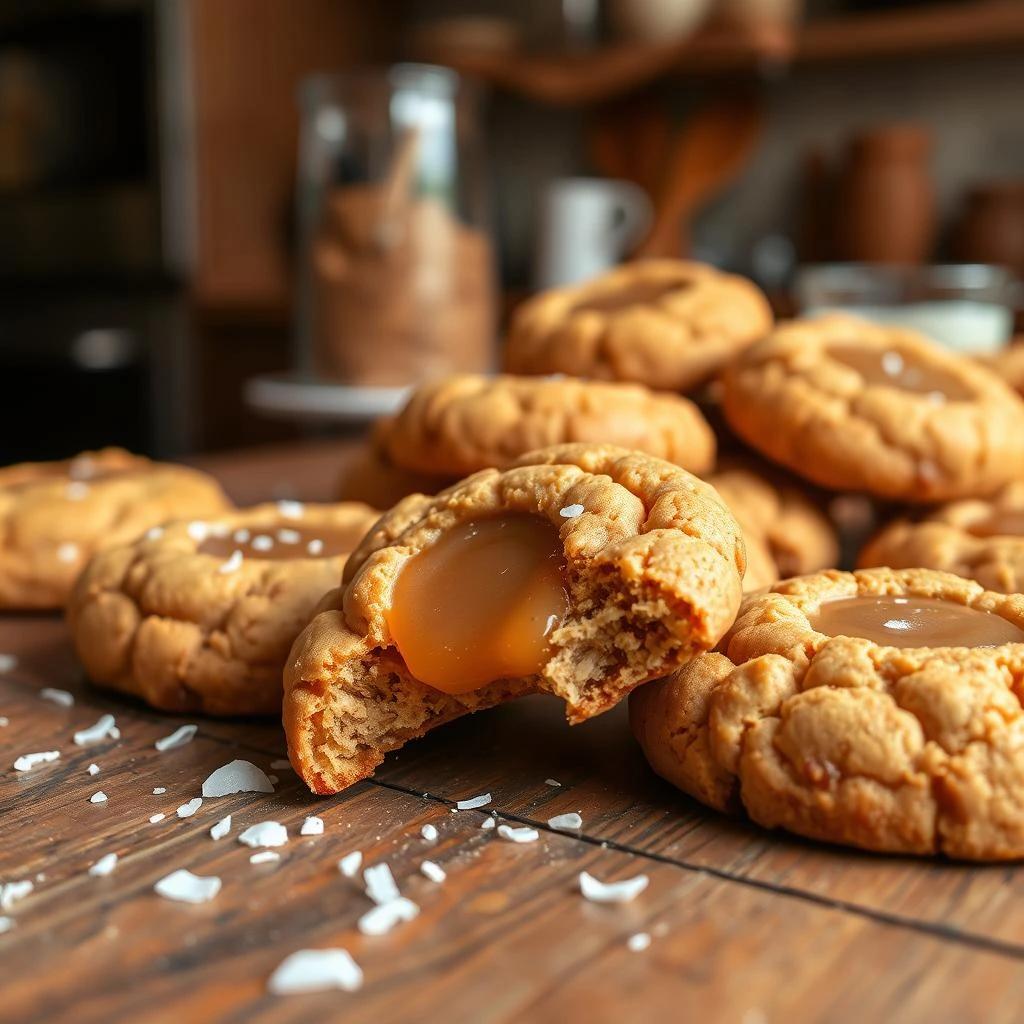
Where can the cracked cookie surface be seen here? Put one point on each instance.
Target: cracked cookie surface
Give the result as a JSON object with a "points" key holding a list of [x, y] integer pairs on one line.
{"points": [[55, 515], [182, 621], [839, 738], [855, 406], [669, 324], [459, 425], [652, 570]]}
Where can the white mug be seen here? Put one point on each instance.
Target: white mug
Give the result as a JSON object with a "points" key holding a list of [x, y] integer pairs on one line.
{"points": [[586, 226]]}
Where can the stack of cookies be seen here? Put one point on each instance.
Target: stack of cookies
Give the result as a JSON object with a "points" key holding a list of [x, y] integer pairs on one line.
{"points": [[571, 527]]}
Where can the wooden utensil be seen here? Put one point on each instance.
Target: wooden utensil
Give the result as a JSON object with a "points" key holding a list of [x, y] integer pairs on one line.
{"points": [[632, 139], [709, 153]]}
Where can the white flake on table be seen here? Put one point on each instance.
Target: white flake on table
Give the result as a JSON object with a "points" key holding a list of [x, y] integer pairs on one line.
{"points": [[473, 802], [524, 834], [105, 728], [612, 892], [12, 892], [381, 919], [63, 698], [6, 924], [185, 887], [93, 769], [488, 822], [570, 822], [638, 943], [350, 864], [99, 797], [380, 884], [266, 833], [182, 735], [237, 777], [4, 720], [312, 826], [429, 833], [315, 970], [159, 791], [264, 857], [27, 762], [552, 782], [8, 662], [433, 871], [154, 818], [104, 866], [221, 829], [187, 810]]}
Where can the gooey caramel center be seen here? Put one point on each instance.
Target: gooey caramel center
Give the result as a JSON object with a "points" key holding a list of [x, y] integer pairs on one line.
{"points": [[914, 622], [280, 543], [899, 369], [481, 603]]}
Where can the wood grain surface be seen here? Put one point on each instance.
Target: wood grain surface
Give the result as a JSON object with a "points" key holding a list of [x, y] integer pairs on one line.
{"points": [[746, 926]]}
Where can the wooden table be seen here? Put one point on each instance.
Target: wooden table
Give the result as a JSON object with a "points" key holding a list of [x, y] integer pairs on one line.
{"points": [[745, 926]]}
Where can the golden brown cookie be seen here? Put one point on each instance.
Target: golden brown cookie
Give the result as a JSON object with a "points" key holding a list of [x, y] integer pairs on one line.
{"points": [[199, 615], [855, 406], [374, 479], [982, 540], [778, 519], [583, 572], [1009, 364], [668, 324], [55, 515], [459, 425], [877, 709]]}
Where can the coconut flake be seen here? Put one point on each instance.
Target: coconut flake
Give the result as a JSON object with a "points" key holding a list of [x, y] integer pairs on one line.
{"points": [[187, 810], [433, 871], [266, 833], [67, 552], [380, 884], [350, 864], [159, 791], [221, 829], [281, 765], [289, 536], [103, 729], [518, 835], [571, 511], [312, 826], [93, 769], [104, 866], [4, 720], [473, 802], [27, 762], [488, 822], [291, 509], [262, 542], [264, 857], [98, 797], [552, 782], [6, 924], [198, 531], [638, 943], [76, 490], [237, 777], [12, 892], [154, 533], [7, 662], [315, 547], [154, 818], [315, 970], [233, 564], [570, 822], [55, 696], [184, 887], [381, 919], [612, 892], [182, 735], [429, 833]]}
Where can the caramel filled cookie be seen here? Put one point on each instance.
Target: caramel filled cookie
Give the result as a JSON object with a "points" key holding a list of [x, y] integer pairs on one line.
{"points": [[877, 709], [783, 530], [459, 425], [668, 324], [982, 540], [200, 615], [855, 406], [55, 515], [583, 572]]}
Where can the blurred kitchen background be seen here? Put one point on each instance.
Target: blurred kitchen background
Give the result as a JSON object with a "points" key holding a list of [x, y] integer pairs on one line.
{"points": [[160, 250]]}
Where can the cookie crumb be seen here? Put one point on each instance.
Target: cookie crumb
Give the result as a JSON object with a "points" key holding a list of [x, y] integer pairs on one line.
{"points": [[571, 511], [6, 924], [241, 536], [12, 892], [380, 884]]}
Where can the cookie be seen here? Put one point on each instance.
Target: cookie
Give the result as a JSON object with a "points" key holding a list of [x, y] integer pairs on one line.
{"points": [[199, 615], [876, 709], [668, 324], [374, 479], [854, 406], [583, 572], [779, 520], [982, 540], [458, 425], [55, 515], [1009, 364]]}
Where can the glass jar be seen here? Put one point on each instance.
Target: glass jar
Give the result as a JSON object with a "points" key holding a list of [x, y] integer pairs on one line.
{"points": [[396, 275]]}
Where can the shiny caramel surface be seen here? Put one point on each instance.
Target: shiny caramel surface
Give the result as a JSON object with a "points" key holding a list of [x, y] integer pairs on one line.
{"points": [[281, 542], [480, 604], [895, 621], [899, 369]]}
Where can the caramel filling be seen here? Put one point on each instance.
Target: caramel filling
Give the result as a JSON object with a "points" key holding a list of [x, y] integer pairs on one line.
{"points": [[640, 293], [914, 622], [901, 370], [279, 543], [480, 604], [1001, 524]]}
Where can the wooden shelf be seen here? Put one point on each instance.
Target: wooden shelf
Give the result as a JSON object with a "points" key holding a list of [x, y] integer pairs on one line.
{"points": [[578, 80]]}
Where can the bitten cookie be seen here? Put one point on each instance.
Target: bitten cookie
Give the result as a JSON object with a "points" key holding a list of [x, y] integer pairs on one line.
{"points": [[459, 425], [583, 572], [877, 709], [665, 323], [200, 615], [982, 540], [855, 406], [55, 515], [779, 520]]}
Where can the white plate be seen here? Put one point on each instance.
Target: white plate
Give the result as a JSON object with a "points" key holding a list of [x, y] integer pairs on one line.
{"points": [[291, 397]]}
